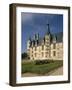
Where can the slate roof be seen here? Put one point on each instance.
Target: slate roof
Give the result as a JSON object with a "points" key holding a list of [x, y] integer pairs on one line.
{"points": [[58, 36]]}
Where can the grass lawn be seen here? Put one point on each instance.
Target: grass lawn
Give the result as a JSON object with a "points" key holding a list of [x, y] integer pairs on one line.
{"points": [[33, 67]]}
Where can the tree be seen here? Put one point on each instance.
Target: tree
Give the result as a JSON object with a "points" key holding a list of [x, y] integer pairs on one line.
{"points": [[25, 56]]}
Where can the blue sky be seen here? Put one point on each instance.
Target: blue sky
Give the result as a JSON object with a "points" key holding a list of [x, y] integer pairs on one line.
{"points": [[32, 23]]}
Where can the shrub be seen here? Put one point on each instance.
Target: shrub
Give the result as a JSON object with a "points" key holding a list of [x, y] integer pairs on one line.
{"points": [[39, 62]]}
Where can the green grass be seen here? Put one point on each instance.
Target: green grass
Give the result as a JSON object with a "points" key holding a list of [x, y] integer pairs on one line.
{"points": [[32, 67]]}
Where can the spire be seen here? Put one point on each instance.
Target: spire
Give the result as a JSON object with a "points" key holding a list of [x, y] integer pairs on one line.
{"points": [[48, 31]]}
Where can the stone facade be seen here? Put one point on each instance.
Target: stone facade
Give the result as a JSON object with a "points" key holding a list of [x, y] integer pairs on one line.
{"points": [[49, 47]]}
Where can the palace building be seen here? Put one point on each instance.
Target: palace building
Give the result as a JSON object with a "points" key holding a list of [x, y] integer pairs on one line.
{"points": [[49, 47]]}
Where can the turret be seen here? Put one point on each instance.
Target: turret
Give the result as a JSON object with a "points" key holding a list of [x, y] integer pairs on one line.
{"points": [[28, 43], [47, 36], [37, 36], [36, 39]]}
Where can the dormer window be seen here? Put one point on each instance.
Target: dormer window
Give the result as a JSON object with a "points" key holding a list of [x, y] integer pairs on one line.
{"points": [[54, 39]]}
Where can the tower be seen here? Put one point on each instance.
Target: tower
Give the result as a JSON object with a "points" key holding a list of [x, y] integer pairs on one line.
{"points": [[29, 43], [36, 38], [47, 36], [47, 41]]}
